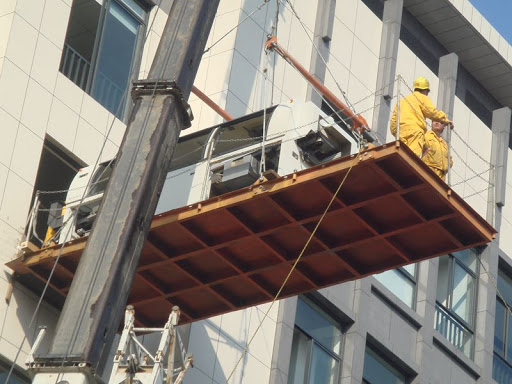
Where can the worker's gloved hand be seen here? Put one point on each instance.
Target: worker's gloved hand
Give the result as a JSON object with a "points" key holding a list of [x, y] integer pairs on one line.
{"points": [[450, 123]]}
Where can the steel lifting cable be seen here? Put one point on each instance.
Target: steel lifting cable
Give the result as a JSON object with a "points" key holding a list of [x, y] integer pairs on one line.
{"points": [[320, 55], [236, 26], [494, 283], [334, 196], [476, 174]]}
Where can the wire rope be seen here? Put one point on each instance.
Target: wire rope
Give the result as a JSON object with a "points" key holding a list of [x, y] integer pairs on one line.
{"points": [[236, 26], [334, 196]]}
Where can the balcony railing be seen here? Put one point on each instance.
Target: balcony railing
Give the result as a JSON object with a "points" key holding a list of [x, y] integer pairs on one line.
{"points": [[453, 331], [77, 68], [501, 370], [108, 94]]}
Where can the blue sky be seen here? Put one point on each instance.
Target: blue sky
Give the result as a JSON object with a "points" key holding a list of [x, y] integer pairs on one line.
{"points": [[499, 14]]}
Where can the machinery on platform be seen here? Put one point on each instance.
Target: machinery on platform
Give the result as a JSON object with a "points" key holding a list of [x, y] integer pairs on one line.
{"points": [[221, 159]]}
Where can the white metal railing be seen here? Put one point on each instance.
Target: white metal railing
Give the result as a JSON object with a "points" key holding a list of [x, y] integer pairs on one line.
{"points": [[107, 93], [75, 67], [453, 330]]}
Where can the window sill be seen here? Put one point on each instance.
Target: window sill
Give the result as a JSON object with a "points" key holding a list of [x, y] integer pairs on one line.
{"points": [[457, 356], [396, 304]]}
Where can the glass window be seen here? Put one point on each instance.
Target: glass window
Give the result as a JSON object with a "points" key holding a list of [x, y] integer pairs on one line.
{"points": [[502, 362], [99, 52], [16, 376], [401, 282], [377, 371], [316, 346], [455, 307]]}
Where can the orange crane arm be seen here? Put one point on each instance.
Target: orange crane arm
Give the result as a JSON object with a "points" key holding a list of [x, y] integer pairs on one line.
{"points": [[223, 113], [358, 122]]}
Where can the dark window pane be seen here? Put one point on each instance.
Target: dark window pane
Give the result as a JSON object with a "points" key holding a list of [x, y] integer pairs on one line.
{"points": [[318, 326], [499, 329], [299, 358], [78, 48], [115, 58], [505, 286], [324, 368], [501, 371], [16, 376], [240, 134], [378, 371], [509, 340]]}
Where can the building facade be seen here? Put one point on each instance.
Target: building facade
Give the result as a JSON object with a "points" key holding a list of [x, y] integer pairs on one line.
{"points": [[64, 104]]}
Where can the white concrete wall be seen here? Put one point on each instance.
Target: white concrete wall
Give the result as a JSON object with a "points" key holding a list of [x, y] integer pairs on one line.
{"points": [[472, 136], [354, 55], [218, 344], [36, 100]]}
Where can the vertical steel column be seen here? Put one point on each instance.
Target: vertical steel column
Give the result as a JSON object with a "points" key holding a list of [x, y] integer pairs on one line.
{"points": [[98, 295]]}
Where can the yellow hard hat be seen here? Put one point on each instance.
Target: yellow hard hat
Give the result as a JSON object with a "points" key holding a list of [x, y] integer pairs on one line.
{"points": [[421, 83]]}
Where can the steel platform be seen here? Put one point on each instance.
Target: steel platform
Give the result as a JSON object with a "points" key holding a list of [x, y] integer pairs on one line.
{"points": [[235, 250]]}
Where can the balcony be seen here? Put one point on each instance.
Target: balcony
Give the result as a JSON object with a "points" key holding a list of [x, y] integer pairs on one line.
{"points": [[78, 69], [454, 331]]}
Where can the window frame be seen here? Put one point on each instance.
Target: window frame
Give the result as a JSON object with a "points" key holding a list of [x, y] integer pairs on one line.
{"points": [[453, 259], [411, 278], [468, 326], [98, 44], [502, 357], [336, 322]]}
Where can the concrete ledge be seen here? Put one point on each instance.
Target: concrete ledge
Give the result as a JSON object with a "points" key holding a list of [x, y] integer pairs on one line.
{"points": [[396, 304], [456, 355]]}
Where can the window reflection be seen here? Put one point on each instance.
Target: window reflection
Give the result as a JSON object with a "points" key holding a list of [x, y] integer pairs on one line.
{"points": [[316, 346], [502, 361], [100, 52], [377, 371], [455, 307]]}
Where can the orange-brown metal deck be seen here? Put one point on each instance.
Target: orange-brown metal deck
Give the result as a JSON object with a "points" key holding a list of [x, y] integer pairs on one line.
{"points": [[235, 250]]}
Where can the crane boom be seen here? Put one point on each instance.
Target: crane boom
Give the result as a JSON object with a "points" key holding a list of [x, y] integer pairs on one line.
{"points": [[357, 122]]}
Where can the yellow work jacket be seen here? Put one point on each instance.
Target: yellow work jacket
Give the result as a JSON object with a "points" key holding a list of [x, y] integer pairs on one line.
{"points": [[437, 154], [414, 109]]}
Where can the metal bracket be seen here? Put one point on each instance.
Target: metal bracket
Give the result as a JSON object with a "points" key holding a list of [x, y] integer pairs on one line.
{"points": [[164, 87]]}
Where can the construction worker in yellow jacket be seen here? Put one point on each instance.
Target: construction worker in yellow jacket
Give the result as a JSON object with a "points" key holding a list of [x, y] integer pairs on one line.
{"points": [[414, 109], [435, 154]]}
